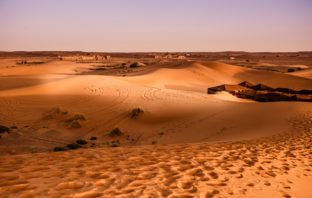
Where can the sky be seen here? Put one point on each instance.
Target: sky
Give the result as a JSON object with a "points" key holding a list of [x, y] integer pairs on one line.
{"points": [[156, 25]]}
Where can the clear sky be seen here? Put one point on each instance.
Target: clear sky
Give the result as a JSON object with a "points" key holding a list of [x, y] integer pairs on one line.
{"points": [[156, 25]]}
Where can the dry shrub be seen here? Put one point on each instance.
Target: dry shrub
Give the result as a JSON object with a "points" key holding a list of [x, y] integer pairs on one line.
{"points": [[135, 113]]}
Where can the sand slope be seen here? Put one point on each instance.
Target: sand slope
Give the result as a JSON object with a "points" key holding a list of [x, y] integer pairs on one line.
{"points": [[174, 100], [204, 145], [203, 74], [304, 73], [278, 166]]}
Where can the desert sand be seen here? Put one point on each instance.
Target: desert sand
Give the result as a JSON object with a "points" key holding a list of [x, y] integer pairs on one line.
{"points": [[184, 143]]}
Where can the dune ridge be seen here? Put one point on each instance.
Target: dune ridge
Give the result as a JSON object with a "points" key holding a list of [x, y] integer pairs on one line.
{"points": [[174, 100]]}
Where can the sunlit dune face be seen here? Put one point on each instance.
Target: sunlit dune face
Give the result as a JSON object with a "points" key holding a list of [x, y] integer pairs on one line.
{"points": [[93, 125], [177, 99]]}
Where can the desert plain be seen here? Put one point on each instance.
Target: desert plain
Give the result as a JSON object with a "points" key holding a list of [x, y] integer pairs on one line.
{"points": [[78, 124]]}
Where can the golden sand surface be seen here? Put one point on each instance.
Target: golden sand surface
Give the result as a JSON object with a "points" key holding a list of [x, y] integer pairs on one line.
{"points": [[186, 143]]}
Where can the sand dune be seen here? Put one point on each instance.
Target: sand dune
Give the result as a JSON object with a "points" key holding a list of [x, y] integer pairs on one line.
{"points": [[197, 75], [174, 100], [271, 167], [50, 67], [203, 145], [304, 73]]}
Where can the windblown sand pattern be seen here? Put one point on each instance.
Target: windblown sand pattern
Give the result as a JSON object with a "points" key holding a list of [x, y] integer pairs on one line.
{"points": [[270, 166]]}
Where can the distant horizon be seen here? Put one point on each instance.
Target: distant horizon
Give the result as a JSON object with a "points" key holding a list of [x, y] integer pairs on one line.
{"points": [[306, 51], [122, 26]]}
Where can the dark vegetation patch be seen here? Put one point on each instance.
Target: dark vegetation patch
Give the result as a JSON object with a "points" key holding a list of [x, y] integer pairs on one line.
{"points": [[135, 113], [54, 113], [73, 122], [76, 117], [78, 144], [73, 146], [116, 132], [93, 138], [81, 142], [58, 149]]}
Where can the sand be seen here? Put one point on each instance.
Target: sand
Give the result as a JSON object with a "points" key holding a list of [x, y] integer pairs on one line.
{"points": [[186, 143], [278, 166], [305, 73]]}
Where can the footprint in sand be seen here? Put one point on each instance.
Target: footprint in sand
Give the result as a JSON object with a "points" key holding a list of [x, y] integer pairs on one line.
{"points": [[214, 175], [69, 185], [87, 194]]}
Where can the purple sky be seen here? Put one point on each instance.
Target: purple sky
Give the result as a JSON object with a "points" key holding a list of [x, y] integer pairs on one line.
{"points": [[156, 25]]}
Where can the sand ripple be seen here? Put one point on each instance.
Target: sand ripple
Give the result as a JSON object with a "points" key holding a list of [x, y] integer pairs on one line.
{"points": [[257, 168]]}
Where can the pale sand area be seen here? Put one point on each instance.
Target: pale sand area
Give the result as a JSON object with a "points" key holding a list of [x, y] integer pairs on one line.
{"points": [[305, 73], [206, 145]]}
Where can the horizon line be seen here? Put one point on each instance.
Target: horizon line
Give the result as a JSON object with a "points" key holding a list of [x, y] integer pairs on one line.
{"points": [[129, 52]]}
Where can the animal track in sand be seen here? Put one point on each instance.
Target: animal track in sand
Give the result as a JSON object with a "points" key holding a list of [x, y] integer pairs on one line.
{"points": [[150, 94], [183, 124]]}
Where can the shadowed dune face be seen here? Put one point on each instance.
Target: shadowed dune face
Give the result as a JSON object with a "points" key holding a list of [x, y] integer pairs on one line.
{"points": [[173, 113], [184, 143], [174, 101], [7, 83]]}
